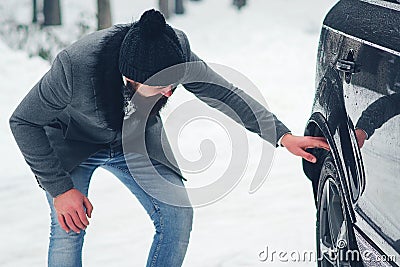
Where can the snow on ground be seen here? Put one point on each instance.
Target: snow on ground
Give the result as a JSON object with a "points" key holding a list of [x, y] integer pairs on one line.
{"points": [[271, 42]]}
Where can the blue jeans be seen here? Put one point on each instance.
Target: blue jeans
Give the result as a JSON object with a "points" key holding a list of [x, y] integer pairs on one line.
{"points": [[172, 224]]}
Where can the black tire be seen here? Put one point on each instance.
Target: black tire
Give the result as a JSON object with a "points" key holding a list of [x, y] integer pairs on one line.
{"points": [[336, 244]]}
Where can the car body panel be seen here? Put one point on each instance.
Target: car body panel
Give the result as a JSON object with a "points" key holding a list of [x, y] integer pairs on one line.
{"points": [[364, 35]]}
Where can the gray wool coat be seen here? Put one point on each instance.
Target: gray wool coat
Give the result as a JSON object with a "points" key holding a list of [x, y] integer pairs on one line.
{"points": [[76, 109]]}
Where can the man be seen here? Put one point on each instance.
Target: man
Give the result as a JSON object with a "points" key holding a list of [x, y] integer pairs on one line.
{"points": [[71, 122], [375, 115]]}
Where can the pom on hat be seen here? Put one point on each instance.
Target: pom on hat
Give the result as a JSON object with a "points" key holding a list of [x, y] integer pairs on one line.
{"points": [[152, 24]]}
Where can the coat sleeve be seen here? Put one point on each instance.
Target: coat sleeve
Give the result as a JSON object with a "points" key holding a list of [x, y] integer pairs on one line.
{"points": [[378, 113], [218, 93], [50, 96]]}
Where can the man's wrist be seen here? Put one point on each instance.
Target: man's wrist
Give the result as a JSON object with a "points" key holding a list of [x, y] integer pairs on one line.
{"points": [[365, 132], [280, 139], [60, 188], [63, 192]]}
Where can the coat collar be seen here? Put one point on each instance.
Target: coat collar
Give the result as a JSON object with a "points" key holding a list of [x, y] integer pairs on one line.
{"points": [[107, 79]]}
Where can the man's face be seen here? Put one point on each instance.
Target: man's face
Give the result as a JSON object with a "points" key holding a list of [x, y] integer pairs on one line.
{"points": [[149, 100], [148, 91]]}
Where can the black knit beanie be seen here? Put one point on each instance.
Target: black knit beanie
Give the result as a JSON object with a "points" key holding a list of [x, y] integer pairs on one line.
{"points": [[150, 46]]}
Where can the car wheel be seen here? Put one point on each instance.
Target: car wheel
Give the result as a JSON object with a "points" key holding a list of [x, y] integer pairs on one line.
{"points": [[336, 245]]}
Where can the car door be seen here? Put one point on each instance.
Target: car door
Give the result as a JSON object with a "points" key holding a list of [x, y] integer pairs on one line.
{"points": [[368, 61]]}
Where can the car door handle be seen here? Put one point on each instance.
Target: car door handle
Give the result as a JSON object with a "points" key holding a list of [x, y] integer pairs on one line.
{"points": [[347, 66]]}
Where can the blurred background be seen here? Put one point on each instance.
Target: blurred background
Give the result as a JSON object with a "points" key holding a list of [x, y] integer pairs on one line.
{"points": [[43, 27], [273, 43]]}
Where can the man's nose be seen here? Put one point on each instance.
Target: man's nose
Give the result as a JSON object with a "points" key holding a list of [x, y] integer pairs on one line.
{"points": [[166, 91]]}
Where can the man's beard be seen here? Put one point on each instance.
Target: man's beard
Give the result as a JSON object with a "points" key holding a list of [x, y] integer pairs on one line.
{"points": [[147, 106]]}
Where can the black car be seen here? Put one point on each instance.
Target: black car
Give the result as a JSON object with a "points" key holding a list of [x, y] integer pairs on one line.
{"points": [[356, 108]]}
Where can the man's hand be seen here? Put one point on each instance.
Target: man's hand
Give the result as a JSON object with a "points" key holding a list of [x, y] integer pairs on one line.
{"points": [[297, 145], [361, 136], [70, 210]]}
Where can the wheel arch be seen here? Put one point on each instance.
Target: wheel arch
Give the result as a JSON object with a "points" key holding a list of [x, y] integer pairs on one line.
{"points": [[318, 126]]}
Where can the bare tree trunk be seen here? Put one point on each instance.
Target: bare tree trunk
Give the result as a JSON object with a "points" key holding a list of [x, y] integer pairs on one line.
{"points": [[179, 9], [239, 3], [164, 7], [103, 14], [34, 9], [52, 12]]}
